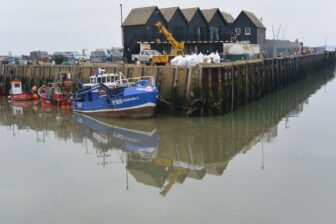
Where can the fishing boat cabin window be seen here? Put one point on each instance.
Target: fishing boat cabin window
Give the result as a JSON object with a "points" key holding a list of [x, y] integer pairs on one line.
{"points": [[99, 80], [238, 31], [108, 79], [93, 80], [103, 79], [17, 85]]}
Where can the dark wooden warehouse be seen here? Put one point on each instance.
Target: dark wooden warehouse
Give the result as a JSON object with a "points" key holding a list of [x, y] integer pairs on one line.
{"points": [[198, 26], [201, 31], [217, 25], [177, 23], [249, 28], [139, 26]]}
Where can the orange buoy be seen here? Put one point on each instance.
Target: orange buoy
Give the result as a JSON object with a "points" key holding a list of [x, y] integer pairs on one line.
{"points": [[34, 89], [35, 96]]}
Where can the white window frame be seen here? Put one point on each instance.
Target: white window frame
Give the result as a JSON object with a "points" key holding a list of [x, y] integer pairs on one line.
{"points": [[248, 33], [238, 31]]}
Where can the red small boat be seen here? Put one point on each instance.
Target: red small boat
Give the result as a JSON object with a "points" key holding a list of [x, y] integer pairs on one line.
{"points": [[2, 89], [17, 93], [55, 94]]}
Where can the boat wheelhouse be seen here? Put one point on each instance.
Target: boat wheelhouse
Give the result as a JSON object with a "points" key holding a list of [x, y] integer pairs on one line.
{"points": [[17, 92], [111, 80], [55, 94]]}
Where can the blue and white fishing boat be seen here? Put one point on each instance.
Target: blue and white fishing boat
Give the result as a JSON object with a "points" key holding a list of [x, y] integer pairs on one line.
{"points": [[129, 98]]}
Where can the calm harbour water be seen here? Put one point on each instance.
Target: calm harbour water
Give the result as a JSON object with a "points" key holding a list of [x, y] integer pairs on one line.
{"points": [[273, 161]]}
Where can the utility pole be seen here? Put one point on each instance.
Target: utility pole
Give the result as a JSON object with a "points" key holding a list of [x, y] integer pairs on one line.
{"points": [[121, 21]]}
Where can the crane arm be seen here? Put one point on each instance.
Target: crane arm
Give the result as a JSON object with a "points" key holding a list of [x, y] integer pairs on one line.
{"points": [[170, 38]]}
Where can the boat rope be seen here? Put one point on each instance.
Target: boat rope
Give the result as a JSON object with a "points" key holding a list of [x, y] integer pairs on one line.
{"points": [[187, 111]]}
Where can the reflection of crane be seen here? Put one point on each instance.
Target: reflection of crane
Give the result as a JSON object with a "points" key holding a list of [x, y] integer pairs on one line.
{"points": [[177, 172], [177, 47]]}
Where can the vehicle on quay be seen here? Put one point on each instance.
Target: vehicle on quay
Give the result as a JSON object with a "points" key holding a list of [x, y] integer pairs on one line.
{"points": [[145, 56], [129, 98], [101, 56], [39, 56]]}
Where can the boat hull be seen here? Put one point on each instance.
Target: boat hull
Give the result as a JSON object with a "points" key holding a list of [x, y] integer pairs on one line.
{"points": [[57, 102], [137, 113], [21, 97], [48, 98], [134, 106]]}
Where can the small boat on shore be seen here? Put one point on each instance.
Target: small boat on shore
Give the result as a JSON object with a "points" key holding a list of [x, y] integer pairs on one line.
{"points": [[18, 93], [130, 98], [55, 94]]}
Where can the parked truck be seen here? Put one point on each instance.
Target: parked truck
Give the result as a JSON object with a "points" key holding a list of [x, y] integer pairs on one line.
{"points": [[145, 56]]}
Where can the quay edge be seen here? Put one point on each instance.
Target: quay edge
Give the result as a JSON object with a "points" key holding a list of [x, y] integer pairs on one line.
{"points": [[212, 89]]}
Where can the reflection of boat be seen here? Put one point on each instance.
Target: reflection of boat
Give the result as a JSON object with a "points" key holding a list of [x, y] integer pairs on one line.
{"points": [[55, 94], [17, 92], [137, 142], [22, 104], [135, 100]]}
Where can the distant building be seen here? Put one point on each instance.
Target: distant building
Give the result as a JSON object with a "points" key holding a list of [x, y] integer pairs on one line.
{"points": [[39, 56], [275, 48], [248, 28]]}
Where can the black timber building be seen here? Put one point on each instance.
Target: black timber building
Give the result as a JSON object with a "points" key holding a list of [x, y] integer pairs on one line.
{"points": [[201, 30], [139, 26], [177, 23], [249, 28]]}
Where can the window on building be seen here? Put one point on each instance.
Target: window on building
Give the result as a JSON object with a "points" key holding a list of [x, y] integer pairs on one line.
{"points": [[247, 30], [199, 34], [214, 33], [238, 31]]}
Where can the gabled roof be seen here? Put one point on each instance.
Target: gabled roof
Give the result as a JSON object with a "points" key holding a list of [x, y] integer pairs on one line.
{"points": [[190, 13], [209, 14], [228, 17], [139, 16], [253, 19], [169, 12]]}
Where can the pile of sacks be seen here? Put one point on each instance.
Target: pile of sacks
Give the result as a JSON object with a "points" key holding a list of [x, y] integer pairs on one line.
{"points": [[195, 59]]}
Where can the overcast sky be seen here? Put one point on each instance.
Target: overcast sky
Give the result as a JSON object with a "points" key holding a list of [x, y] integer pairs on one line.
{"points": [[71, 25]]}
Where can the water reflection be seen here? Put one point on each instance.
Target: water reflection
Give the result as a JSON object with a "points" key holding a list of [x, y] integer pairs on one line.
{"points": [[167, 150]]}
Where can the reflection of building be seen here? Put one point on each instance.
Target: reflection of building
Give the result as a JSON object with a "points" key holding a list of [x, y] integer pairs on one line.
{"points": [[164, 151]]}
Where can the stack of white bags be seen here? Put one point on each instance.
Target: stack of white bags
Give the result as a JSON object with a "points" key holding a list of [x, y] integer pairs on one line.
{"points": [[195, 59]]}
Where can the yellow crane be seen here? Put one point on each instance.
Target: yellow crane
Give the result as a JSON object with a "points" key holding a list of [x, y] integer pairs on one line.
{"points": [[177, 47]]}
